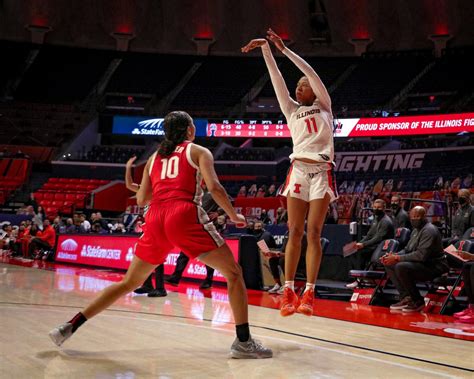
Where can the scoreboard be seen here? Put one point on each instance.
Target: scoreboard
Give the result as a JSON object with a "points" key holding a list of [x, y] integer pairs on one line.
{"points": [[268, 128], [247, 128]]}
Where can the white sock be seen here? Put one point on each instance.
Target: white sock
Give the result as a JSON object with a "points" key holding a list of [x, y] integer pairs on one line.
{"points": [[290, 284], [309, 286]]}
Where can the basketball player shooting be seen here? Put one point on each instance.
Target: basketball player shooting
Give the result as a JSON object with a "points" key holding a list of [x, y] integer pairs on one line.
{"points": [[310, 184], [171, 184]]}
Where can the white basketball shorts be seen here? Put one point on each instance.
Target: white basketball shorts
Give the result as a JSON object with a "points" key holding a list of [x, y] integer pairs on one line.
{"points": [[310, 181]]}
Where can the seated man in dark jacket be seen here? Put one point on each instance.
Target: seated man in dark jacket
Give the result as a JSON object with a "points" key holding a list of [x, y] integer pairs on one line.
{"points": [[422, 260], [463, 218], [399, 217], [380, 230], [277, 263]]}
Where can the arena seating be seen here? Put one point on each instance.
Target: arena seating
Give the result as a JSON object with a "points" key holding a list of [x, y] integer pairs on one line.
{"points": [[13, 174], [220, 82], [329, 69], [63, 75], [108, 154], [17, 53], [444, 85], [149, 73], [457, 63], [253, 154], [377, 78], [28, 123], [447, 165], [66, 194]]}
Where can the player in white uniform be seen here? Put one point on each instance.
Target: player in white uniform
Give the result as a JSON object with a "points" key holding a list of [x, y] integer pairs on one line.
{"points": [[310, 184]]}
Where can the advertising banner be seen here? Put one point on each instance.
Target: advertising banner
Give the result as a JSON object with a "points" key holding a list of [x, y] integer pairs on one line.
{"points": [[405, 125], [148, 126], [117, 252], [343, 127]]}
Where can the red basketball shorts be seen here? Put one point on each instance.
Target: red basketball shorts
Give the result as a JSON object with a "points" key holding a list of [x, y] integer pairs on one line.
{"points": [[183, 225]]}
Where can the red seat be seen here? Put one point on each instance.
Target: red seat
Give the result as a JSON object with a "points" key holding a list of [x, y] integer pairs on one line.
{"points": [[59, 196], [51, 210], [48, 196], [53, 180], [70, 196], [38, 196]]}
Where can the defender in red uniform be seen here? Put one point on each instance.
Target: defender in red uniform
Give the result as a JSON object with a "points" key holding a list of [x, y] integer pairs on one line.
{"points": [[176, 200], [171, 186]]}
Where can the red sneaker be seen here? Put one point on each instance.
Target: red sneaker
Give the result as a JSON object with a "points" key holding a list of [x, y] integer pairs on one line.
{"points": [[289, 302], [306, 306], [463, 313], [468, 319]]}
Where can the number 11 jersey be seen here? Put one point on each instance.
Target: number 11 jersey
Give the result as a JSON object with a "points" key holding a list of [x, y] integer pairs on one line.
{"points": [[311, 131]]}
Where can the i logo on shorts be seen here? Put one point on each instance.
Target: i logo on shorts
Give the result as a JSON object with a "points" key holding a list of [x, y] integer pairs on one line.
{"points": [[297, 188]]}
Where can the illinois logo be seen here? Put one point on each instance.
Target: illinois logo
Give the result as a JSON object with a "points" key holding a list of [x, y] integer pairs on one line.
{"points": [[69, 245]]}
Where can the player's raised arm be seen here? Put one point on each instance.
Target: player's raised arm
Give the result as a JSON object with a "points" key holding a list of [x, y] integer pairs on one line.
{"points": [[287, 104], [145, 191], [134, 187], [315, 81], [205, 162]]}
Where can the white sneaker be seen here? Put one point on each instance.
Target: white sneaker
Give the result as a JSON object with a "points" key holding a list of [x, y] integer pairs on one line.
{"points": [[61, 333], [352, 285], [274, 289], [281, 290], [252, 349]]}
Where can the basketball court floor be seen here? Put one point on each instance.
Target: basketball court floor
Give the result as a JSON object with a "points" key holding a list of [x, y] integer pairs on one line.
{"points": [[188, 334]]}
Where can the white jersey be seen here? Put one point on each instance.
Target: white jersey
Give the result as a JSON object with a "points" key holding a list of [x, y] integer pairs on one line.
{"points": [[312, 134], [311, 127]]}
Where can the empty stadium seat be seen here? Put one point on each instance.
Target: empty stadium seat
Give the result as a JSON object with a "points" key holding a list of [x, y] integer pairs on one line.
{"points": [[48, 196], [59, 196], [402, 235], [70, 197]]}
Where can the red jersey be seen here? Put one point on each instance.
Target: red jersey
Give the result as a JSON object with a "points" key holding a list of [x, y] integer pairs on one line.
{"points": [[176, 177], [48, 235], [176, 200]]}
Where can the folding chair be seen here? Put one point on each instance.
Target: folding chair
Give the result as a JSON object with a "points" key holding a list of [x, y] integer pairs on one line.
{"points": [[372, 280]]}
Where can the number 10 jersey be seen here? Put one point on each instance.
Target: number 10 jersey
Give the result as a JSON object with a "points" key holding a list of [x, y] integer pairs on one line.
{"points": [[176, 177]]}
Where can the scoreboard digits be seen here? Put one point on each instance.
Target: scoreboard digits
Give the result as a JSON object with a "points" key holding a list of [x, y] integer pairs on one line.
{"points": [[247, 128]]}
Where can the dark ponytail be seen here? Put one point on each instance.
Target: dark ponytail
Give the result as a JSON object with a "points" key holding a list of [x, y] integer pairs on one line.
{"points": [[176, 128]]}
